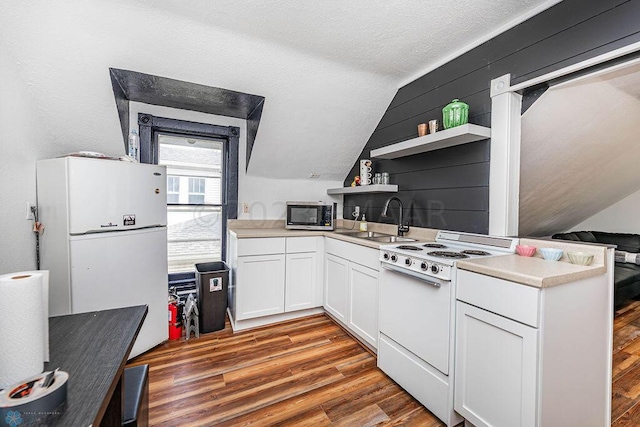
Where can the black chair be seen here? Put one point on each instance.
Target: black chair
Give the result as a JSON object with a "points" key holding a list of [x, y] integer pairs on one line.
{"points": [[136, 396]]}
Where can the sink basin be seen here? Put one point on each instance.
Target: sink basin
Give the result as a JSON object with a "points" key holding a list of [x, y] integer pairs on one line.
{"points": [[377, 237], [391, 239], [366, 234]]}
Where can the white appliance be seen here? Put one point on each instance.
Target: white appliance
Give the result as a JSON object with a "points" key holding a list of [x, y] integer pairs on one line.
{"points": [[105, 239], [417, 313]]}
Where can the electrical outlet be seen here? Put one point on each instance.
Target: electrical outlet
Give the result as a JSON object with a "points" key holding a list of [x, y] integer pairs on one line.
{"points": [[245, 208], [356, 211], [29, 213]]}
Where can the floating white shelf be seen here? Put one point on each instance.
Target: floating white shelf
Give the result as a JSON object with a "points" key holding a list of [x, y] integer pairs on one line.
{"points": [[462, 134], [377, 188]]}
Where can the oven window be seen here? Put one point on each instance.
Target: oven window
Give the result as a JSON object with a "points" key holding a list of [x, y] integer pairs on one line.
{"points": [[304, 215]]}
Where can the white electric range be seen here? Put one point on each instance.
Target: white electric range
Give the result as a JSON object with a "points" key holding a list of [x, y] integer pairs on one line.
{"points": [[417, 313]]}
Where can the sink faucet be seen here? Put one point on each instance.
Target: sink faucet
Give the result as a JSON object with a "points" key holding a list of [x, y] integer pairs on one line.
{"points": [[401, 227]]}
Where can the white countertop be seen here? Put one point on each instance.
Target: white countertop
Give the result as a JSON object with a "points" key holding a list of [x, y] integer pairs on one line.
{"points": [[532, 271]]}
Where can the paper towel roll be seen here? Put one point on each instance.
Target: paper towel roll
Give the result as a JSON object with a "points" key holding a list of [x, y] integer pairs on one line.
{"points": [[22, 325]]}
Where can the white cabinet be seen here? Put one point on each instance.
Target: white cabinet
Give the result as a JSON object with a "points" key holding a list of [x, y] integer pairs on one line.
{"points": [[528, 356], [363, 302], [336, 276], [496, 374], [273, 276], [351, 288], [301, 283], [260, 285]]}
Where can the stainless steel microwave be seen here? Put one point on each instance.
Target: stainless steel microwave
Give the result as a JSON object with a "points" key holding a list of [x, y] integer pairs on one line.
{"points": [[311, 216]]}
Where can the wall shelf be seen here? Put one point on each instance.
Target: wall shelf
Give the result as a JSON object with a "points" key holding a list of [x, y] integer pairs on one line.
{"points": [[377, 188], [458, 135]]}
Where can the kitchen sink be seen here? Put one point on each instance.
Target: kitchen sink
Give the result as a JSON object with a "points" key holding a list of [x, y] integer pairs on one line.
{"points": [[377, 237], [391, 239], [365, 234]]}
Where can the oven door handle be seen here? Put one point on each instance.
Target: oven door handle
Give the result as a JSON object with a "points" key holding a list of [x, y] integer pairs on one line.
{"points": [[410, 273]]}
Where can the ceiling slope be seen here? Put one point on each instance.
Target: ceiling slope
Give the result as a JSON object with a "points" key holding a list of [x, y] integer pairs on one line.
{"points": [[579, 151], [327, 70]]}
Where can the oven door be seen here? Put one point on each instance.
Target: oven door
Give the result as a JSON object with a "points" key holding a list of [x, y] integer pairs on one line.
{"points": [[416, 313]]}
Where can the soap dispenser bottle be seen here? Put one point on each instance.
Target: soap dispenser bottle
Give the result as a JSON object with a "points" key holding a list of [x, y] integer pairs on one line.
{"points": [[363, 223]]}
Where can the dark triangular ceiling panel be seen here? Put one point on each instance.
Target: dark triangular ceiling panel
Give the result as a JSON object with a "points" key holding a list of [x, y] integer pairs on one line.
{"points": [[155, 90]]}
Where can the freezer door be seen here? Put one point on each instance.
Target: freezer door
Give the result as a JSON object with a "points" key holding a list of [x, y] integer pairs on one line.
{"points": [[111, 270], [107, 195]]}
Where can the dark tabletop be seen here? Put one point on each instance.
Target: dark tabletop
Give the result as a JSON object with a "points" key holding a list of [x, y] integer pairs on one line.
{"points": [[93, 348]]}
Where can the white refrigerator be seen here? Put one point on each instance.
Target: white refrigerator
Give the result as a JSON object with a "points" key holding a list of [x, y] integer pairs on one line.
{"points": [[105, 239]]}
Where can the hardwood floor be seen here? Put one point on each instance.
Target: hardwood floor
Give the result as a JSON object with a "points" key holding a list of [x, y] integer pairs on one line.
{"points": [[311, 372], [307, 372], [625, 409]]}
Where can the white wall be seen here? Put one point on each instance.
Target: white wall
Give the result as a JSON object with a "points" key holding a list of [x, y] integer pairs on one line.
{"points": [[266, 197], [621, 217], [21, 143], [577, 155], [56, 98]]}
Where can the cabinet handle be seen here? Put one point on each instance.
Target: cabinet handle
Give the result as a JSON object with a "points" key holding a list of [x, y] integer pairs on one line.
{"points": [[412, 274]]}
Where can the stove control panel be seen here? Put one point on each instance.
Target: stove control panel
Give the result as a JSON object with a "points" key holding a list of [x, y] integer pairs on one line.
{"points": [[416, 264]]}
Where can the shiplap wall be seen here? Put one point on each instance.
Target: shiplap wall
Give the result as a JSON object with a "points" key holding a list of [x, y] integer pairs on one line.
{"points": [[449, 188]]}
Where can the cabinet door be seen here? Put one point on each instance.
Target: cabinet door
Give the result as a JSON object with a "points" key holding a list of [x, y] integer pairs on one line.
{"points": [[301, 283], [495, 361], [260, 286], [336, 287], [363, 313]]}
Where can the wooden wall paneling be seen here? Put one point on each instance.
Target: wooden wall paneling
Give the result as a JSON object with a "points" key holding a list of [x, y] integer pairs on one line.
{"points": [[439, 208], [567, 33], [553, 21], [468, 88], [576, 43], [456, 177], [431, 108], [441, 160]]}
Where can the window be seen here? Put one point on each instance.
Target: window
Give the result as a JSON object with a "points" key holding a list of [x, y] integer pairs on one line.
{"points": [[202, 187], [173, 189], [194, 172], [196, 191]]}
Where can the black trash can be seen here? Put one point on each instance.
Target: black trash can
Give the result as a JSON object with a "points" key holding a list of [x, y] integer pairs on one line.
{"points": [[212, 283]]}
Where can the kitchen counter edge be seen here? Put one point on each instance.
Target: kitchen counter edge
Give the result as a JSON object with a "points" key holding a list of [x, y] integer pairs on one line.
{"points": [[258, 233], [535, 272]]}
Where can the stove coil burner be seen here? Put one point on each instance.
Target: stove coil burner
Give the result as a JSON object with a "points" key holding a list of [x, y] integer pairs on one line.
{"points": [[434, 245], [445, 254], [475, 252], [409, 248]]}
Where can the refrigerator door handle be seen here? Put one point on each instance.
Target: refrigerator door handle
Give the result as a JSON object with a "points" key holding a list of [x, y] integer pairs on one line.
{"points": [[116, 230]]}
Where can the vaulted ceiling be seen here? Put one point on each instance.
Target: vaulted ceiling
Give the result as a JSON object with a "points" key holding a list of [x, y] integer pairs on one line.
{"points": [[327, 70], [579, 151]]}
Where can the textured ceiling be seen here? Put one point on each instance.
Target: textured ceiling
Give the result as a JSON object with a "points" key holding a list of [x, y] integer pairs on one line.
{"points": [[327, 70], [579, 151], [397, 38]]}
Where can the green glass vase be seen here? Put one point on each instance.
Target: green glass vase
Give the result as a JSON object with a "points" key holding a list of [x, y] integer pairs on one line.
{"points": [[454, 114]]}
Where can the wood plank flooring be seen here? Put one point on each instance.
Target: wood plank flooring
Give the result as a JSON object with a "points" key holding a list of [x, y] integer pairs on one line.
{"points": [[625, 408], [307, 372], [311, 372]]}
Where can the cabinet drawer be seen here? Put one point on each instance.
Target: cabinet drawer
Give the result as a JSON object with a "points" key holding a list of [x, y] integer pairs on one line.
{"points": [[359, 254], [301, 244], [508, 299], [265, 246]]}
